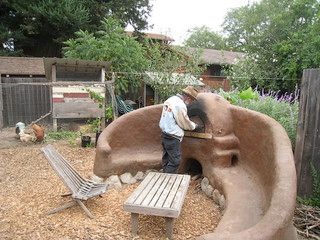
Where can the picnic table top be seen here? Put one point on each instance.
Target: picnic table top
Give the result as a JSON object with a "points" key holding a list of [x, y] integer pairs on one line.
{"points": [[160, 194]]}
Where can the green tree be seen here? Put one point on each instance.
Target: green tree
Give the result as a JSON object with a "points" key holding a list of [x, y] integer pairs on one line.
{"points": [[111, 43], [279, 37], [131, 59], [173, 68], [39, 27], [202, 37]]}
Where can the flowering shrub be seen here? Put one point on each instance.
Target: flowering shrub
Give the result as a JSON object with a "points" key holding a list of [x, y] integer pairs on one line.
{"points": [[283, 108]]}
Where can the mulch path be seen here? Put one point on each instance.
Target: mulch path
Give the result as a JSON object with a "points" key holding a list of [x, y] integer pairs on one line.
{"points": [[29, 188]]}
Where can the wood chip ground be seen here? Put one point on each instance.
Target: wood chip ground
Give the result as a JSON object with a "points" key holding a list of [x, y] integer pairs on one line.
{"points": [[29, 188]]}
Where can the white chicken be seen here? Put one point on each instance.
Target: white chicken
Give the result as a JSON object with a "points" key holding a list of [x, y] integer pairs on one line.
{"points": [[24, 137], [20, 128]]}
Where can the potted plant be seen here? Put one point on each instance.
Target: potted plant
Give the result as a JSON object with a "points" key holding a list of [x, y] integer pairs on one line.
{"points": [[85, 136]]}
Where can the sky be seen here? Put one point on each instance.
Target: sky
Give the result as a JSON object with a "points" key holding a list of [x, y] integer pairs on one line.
{"points": [[174, 17]]}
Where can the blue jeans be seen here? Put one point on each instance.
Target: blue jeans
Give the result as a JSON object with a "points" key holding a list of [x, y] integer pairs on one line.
{"points": [[171, 153]]}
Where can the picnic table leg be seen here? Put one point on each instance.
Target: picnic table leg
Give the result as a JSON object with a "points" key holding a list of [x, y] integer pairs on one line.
{"points": [[134, 223], [169, 225]]}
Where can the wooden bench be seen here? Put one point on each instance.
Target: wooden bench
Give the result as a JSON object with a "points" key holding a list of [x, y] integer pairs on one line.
{"points": [[159, 194], [80, 189]]}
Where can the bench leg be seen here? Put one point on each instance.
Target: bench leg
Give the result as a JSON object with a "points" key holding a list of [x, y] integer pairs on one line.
{"points": [[65, 206], [86, 210], [169, 226], [134, 223]]}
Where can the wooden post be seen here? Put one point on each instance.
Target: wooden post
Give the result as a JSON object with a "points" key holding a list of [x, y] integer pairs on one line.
{"points": [[307, 149], [113, 98], [134, 223], [103, 79], [54, 79], [169, 227], [1, 105], [144, 94]]}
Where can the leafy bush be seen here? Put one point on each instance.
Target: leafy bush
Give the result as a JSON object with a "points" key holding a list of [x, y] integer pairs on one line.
{"points": [[109, 113], [283, 109], [235, 96], [63, 135], [283, 112], [94, 125], [111, 43]]}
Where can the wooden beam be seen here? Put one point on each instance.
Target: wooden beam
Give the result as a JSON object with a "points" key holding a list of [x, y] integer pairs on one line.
{"points": [[198, 135]]}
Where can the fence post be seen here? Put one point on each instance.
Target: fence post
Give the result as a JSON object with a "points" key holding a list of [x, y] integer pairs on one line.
{"points": [[53, 79], [307, 149], [1, 105], [103, 79]]}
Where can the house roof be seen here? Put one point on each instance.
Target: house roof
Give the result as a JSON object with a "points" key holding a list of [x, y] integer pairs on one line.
{"points": [[21, 66], [42, 66], [155, 36], [77, 63], [212, 56]]}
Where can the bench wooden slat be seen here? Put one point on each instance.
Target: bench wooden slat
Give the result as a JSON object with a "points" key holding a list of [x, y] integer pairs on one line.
{"points": [[166, 191], [181, 193], [146, 190], [165, 195], [153, 191], [140, 188], [155, 211], [173, 192], [159, 191]]}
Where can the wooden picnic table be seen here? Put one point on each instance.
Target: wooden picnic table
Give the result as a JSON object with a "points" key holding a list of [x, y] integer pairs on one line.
{"points": [[159, 194]]}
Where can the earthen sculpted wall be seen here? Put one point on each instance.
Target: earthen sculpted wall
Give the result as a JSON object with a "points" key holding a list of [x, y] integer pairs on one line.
{"points": [[249, 159]]}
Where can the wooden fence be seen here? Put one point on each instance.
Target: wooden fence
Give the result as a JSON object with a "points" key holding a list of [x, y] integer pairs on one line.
{"points": [[23, 102], [307, 150]]}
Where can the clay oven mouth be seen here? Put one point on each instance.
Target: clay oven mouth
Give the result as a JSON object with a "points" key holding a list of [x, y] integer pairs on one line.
{"points": [[234, 160], [193, 167]]}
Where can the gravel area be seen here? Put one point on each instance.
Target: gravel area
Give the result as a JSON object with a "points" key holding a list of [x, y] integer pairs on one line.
{"points": [[30, 188]]}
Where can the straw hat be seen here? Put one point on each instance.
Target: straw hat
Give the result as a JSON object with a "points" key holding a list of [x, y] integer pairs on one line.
{"points": [[190, 92]]}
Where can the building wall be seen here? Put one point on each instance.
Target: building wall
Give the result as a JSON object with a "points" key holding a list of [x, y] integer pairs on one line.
{"points": [[215, 81]]}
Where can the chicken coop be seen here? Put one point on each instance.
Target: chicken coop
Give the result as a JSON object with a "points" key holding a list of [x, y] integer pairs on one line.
{"points": [[24, 92], [73, 82], [57, 88]]}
